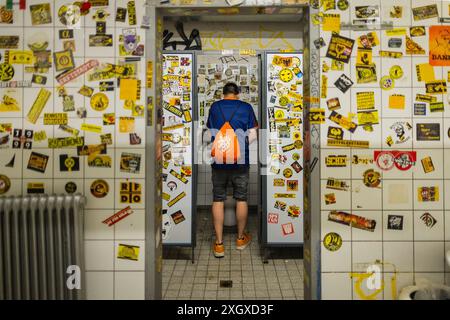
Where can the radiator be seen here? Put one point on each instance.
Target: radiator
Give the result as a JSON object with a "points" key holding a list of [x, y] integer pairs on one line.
{"points": [[40, 237]]}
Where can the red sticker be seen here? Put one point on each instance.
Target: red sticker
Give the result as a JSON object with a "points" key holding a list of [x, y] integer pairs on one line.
{"points": [[272, 218], [402, 160], [122, 214]]}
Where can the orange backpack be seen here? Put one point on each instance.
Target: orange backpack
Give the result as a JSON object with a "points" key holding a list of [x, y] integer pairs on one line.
{"points": [[225, 148]]}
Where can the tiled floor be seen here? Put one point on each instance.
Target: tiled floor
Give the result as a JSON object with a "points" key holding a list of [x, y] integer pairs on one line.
{"points": [[252, 279]]}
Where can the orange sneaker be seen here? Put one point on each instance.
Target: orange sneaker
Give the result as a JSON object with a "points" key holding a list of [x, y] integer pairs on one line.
{"points": [[241, 244], [219, 250]]}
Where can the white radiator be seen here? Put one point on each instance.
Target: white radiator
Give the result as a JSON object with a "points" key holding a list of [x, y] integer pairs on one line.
{"points": [[40, 237]]}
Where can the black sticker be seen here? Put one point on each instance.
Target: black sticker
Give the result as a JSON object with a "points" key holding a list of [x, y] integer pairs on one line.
{"points": [[428, 131], [343, 83], [37, 162], [395, 222], [66, 34], [68, 163]]}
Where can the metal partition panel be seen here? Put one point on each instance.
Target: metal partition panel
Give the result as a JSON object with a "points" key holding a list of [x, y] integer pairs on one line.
{"points": [[179, 201], [282, 149]]}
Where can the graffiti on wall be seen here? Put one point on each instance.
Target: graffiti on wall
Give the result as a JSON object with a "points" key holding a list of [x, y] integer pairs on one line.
{"points": [[193, 42]]}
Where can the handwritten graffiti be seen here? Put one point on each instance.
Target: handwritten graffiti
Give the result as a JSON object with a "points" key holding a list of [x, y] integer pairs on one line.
{"points": [[233, 59], [193, 42], [369, 285]]}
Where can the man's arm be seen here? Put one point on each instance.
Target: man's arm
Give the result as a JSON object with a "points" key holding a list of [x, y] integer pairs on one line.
{"points": [[252, 134]]}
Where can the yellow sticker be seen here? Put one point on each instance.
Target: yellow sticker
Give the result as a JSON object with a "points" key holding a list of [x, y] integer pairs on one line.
{"points": [[331, 22], [128, 89], [38, 105], [396, 32], [21, 57], [425, 72], [126, 125], [91, 128], [365, 100], [396, 72], [55, 119], [99, 101], [128, 252], [397, 101], [9, 104]]}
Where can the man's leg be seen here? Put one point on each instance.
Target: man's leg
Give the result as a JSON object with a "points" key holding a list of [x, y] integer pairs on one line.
{"points": [[219, 180], [218, 216], [241, 217], [240, 190]]}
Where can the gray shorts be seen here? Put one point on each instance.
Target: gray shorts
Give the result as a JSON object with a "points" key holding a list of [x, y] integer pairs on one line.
{"points": [[239, 180]]}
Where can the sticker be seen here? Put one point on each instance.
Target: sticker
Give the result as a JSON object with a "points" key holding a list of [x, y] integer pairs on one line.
{"points": [[280, 205], [40, 136], [425, 12], [287, 173], [272, 218], [70, 187], [106, 138], [69, 15], [343, 121], [99, 101], [66, 34], [6, 71], [121, 14], [316, 116], [287, 228], [348, 143], [366, 73], [99, 188], [5, 184], [395, 43], [387, 83], [438, 46], [336, 161], [436, 87], [40, 14], [437, 107], [296, 166], [395, 222], [413, 47], [352, 220], [58, 143], [63, 60], [420, 109], [428, 220], [417, 31], [402, 160], [99, 161], [428, 131], [120, 215], [428, 194], [75, 73], [333, 104], [35, 188], [109, 119], [38, 105], [294, 211], [340, 48], [86, 91], [390, 54], [128, 252], [330, 198], [178, 217], [286, 75], [100, 40], [292, 185], [335, 184], [37, 162], [176, 199], [332, 241], [91, 128], [372, 178], [427, 164], [172, 185], [396, 72], [130, 162], [68, 163], [131, 13], [284, 195], [343, 83], [9, 104], [55, 119]]}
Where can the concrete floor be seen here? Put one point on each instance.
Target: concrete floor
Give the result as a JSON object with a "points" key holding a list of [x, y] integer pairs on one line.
{"points": [[280, 278]]}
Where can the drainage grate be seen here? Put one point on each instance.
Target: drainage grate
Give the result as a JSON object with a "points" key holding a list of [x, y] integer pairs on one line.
{"points": [[226, 283]]}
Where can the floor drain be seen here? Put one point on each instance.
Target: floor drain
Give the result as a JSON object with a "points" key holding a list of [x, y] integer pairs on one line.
{"points": [[226, 283]]}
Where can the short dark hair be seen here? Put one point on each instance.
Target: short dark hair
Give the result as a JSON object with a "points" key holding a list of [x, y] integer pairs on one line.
{"points": [[231, 88]]}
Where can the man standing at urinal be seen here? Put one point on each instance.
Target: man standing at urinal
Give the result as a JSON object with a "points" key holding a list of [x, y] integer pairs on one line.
{"points": [[233, 127]]}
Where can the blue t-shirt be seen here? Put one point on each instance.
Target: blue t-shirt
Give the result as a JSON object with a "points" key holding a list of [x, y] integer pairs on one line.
{"points": [[242, 119]]}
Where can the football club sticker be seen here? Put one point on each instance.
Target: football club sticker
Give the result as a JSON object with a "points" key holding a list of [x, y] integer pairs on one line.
{"points": [[63, 60], [99, 188], [332, 241], [287, 228], [40, 14], [130, 192], [70, 187], [130, 162], [372, 178], [5, 184], [68, 163], [128, 252], [428, 219], [37, 162], [178, 217], [120, 215], [99, 101]]}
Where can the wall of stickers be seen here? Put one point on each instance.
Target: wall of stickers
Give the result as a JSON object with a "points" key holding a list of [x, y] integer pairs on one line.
{"points": [[282, 153], [179, 196], [385, 157], [72, 81]]}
